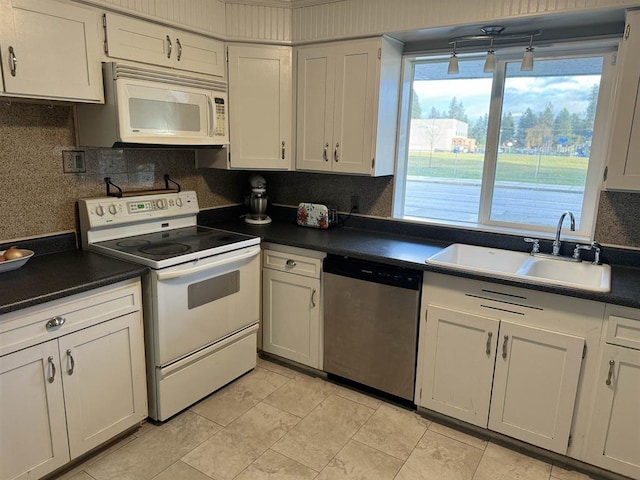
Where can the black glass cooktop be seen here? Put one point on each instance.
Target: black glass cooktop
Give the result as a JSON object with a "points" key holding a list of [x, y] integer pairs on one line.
{"points": [[173, 243]]}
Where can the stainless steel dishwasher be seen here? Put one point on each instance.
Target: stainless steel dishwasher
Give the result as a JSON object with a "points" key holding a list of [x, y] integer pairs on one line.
{"points": [[371, 324]]}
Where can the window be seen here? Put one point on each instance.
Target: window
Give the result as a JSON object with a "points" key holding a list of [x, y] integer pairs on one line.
{"points": [[503, 151]]}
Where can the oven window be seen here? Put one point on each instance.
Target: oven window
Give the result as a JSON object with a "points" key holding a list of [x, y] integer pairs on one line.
{"points": [[213, 289]]}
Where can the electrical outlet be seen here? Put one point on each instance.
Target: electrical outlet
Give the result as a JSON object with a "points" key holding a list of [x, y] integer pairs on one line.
{"points": [[355, 203], [73, 161]]}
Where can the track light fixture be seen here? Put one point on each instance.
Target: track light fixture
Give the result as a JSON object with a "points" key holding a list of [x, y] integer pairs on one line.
{"points": [[453, 62], [490, 62], [527, 60], [493, 33]]}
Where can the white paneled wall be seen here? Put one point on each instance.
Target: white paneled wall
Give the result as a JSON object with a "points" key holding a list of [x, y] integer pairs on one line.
{"points": [[258, 22], [313, 20], [204, 16], [362, 17]]}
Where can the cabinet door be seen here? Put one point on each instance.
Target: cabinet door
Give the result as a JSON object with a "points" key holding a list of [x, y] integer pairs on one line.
{"points": [[355, 112], [457, 355], [624, 143], [104, 381], [33, 431], [50, 50], [197, 53], [535, 385], [146, 42], [291, 316], [316, 80], [614, 438], [260, 107]]}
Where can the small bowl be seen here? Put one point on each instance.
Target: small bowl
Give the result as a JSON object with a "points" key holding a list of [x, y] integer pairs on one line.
{"points": [[16, 263]]}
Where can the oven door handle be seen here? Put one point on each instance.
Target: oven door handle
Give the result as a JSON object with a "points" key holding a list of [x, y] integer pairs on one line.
{"points": [[190, 271]]}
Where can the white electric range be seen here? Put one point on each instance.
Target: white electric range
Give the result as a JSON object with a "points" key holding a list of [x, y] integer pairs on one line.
{"points": [[201, 292]]}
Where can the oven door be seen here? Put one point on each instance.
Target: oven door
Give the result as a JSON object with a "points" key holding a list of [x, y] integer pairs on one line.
{"points": [[196, 304]]}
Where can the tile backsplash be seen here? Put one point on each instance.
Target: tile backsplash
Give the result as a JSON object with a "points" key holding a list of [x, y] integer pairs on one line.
{"points": [[37, 198]]}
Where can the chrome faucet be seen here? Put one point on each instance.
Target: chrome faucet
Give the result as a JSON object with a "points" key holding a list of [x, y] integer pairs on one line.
{"points": [[556, 242]]}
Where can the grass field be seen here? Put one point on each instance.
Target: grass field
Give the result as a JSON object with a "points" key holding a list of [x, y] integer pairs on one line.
{"points": [[553, 170]]}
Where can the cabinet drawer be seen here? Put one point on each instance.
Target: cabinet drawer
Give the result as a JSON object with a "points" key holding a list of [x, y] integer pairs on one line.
{"points": [[623, 326], [28, 327], [292, 263]]}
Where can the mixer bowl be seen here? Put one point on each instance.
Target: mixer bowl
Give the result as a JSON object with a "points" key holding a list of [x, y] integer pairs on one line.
{"points": [[258, 206]]}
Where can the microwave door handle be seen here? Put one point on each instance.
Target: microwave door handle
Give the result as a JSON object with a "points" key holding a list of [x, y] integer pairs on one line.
{"points": [[190, 271], [211, 116]]}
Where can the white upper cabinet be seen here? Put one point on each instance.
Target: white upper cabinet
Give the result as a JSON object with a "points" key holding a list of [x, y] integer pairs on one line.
{"points": [[347, 99], [260, 114], [623, 171], [140, 41], [50, 50]]}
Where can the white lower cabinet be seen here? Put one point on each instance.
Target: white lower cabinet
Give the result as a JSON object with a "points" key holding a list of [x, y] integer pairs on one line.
{"points": [[83, 386], [506, 359], [292, 304], [614, 437]]}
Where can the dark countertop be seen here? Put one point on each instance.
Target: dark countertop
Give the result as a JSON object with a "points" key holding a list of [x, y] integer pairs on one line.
{"points": [[57, 275], [411, 252]]}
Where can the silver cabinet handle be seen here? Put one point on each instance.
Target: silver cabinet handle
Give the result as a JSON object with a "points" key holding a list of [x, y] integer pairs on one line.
{"points": [[324, 154], [179, 48], [72, 361], [612, 365], [504, 346], [291, 263], [282, 149], [55, 322], [169, 47], [52, 366], [489, 335], [13, 62], [336, 156], [313, 296]]}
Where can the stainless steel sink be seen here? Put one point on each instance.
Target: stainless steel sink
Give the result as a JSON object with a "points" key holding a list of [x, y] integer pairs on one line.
{"points": [[522, 266]]}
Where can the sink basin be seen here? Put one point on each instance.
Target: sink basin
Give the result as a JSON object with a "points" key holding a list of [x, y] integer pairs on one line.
{"points": [[523, 266]]}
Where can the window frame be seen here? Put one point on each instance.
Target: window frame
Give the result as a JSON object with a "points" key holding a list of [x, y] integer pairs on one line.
{"points": [[597, 160]]}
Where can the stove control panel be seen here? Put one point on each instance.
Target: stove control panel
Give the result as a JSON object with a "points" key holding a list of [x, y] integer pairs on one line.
{"points": [[106, 211]]}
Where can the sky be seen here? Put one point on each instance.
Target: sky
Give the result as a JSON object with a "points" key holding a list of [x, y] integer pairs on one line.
{"points": [[521, 93]]}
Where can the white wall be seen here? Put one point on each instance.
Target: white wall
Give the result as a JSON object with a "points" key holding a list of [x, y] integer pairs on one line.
{"points": [[314, 20]]}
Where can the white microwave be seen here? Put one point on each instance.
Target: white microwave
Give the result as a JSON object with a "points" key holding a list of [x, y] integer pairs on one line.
{"points": [[155, 107]]}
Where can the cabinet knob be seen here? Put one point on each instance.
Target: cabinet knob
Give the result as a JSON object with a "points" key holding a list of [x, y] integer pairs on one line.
{"points": [[55, 322], [291, 263], [612, 365]]}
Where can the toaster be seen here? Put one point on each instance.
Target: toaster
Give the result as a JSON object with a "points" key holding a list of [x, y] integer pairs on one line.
{"points": [[316, 215]]}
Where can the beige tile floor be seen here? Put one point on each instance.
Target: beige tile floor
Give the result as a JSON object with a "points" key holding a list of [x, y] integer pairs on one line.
{"points": [[276, 423]]}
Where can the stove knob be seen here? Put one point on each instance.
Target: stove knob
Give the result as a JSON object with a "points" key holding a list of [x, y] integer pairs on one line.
{"points": [[112, 209], [179, 202], [99, 210]]}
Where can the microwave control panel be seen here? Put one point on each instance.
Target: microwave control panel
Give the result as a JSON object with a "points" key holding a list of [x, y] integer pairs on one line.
{"points": [[220, 113]]}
